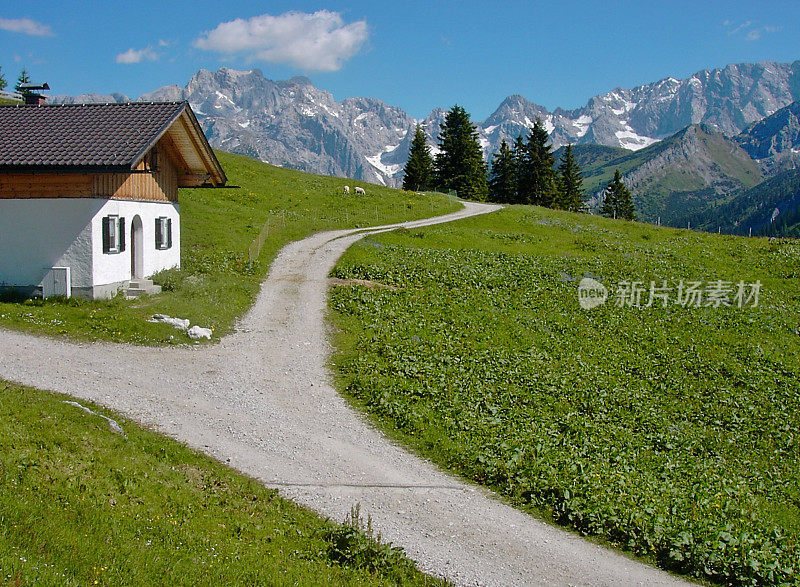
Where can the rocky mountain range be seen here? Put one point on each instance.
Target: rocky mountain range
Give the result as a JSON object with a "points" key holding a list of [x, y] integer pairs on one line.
{"points": [[775, 140], [674, 178], [294, 124]]}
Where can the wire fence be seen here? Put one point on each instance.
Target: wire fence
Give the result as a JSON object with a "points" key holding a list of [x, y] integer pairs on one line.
{"points": [[254, 250]]}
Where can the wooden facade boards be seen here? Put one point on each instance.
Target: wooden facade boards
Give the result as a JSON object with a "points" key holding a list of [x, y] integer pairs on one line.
{"points": [[144, 184]]}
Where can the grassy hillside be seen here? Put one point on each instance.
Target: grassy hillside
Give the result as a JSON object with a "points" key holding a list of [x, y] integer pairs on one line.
{"points": [[81, 505], [754, 208], [597, 163], [670, 431], [677, 177], [216, 284]]}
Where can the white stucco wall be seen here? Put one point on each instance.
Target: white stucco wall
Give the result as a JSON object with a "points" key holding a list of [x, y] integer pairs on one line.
{"points": [[116, 267], [39, 233]]}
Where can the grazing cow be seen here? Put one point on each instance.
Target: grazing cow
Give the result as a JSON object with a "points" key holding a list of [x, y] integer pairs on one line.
{"points": [[360, 191], [347, 189]]}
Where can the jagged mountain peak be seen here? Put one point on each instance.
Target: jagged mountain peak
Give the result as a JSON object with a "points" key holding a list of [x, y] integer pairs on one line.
{"points": [[296, 124], [88, 99], [726, 99], [299, 80], [775, 140]]}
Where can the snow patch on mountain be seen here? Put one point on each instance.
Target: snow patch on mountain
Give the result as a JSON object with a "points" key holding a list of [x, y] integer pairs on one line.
{"points": [[630, 140], [582, 124], [295, 124], [386, 170]]}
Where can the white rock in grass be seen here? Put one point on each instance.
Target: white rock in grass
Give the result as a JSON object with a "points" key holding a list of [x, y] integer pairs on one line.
{"points": [[196, 332], [179, 323], [112, 424]]}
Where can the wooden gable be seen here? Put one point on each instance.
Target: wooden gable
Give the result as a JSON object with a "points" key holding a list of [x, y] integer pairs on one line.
{"points": [[166, 155]]}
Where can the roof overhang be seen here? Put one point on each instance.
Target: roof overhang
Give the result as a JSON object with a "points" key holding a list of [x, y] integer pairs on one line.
{"points": [[199, 164]]}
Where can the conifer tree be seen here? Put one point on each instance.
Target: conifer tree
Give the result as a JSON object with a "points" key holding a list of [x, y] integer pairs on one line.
{"points": [[459, 165], [536, 174], [519, 153], [419, 168], [503, 176], [24, 78], [3, 82], [570, 194], [617, 201], [609, 206]]}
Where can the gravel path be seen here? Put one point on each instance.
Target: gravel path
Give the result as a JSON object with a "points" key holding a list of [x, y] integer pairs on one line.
{"points": [[262, 400]]}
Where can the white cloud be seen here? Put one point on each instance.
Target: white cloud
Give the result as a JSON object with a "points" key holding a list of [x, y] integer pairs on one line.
{"points": [[26, 26], [756, 34], [137, 55], [317, 42], [748, 31], [740, 28]]}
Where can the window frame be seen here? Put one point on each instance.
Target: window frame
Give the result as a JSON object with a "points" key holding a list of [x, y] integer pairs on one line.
{"points": [[163, 233], [113, 229]]}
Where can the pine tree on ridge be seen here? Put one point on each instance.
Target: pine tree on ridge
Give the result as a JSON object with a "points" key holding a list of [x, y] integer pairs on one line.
{"points": [[569, 193], [503, 176], [617, 201], [459, 165], [418, 173], [24, 78], [536, 174]]}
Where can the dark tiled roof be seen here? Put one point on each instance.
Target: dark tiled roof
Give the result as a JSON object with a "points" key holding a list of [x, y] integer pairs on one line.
{"points": [[87, 136]]}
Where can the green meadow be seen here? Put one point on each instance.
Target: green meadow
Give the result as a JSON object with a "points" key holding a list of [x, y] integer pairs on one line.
{"points": [[667, 429], [217, 283], [82, 505]]}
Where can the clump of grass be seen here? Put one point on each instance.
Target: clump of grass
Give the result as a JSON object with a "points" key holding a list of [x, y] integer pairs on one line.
{"points": [[354, 544], [81, 505]]}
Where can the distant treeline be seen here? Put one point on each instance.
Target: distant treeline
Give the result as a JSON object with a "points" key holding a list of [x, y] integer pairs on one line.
{"points": [[522, 173]]}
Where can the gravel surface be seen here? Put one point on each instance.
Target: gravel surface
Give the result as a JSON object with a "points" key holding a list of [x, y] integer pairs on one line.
{"points": [[262, 400]]}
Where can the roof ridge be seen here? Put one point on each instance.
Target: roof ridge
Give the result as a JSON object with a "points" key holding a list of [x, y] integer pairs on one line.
{"points": [[76, 104], [81, 135]]}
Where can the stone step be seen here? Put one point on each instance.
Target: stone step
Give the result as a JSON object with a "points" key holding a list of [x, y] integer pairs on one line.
{"points": [[137, 287]]}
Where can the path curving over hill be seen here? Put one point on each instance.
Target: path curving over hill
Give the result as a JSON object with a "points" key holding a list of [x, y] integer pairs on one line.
{"points": [[262, 400]]}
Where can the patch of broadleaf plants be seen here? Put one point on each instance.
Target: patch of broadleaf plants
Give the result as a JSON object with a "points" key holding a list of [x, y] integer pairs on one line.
{"points": [[672, 432]]}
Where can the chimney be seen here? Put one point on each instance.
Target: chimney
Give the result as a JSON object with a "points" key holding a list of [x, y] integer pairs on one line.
{"points": [[28, 92]]}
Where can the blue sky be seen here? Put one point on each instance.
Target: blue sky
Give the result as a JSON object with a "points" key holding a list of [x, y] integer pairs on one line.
{"points": [[415, 55]]}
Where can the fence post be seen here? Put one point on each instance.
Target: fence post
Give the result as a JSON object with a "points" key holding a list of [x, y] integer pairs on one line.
{"points": [[258, 243]]}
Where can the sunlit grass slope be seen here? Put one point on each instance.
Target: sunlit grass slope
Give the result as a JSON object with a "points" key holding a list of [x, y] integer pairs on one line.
{"points": [[673, 431], [81, 505], [216, 283]]}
